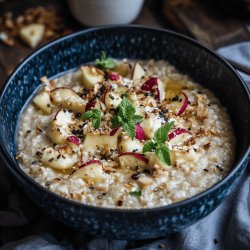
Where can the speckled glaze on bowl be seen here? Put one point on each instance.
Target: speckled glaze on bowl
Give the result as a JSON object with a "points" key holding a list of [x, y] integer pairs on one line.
{"points": [[131, 42]]}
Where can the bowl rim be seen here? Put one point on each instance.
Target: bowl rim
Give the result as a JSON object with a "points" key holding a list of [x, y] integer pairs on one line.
{"points": [[9, 161]]}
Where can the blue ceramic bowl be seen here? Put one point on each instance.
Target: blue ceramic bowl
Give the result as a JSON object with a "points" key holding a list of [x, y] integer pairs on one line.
{"points": [[132, 42]]}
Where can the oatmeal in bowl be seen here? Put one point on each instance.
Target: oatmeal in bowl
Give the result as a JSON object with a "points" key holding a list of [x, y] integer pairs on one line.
{"points": [[125, 134]]}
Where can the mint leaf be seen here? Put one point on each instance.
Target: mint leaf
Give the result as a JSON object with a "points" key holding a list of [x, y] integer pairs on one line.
{"points": [[136, 193], [148, 146], [87, 115], [161, 134], [130, 128], [157, 144], [163, 153], [105, 63], [137, 118], [103, 55], [116, 121], [96, 122], [96, 112], [126, 108], [126, 117], [95, 115], [109, 63]]}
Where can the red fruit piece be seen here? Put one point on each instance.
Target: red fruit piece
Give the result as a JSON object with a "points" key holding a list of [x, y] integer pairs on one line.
{"points": [[90, 162], [90, 105], [176, 132], [139, 132], [136, 155], [149, 84], [113, 76], [113, 131], [184, 103], [74, 139]]}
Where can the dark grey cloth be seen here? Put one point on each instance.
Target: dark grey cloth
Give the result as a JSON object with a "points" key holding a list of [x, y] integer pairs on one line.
{"points": [[25, 226]]}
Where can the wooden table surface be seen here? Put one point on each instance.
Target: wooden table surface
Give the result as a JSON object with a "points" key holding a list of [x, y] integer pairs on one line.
{"points": [[10, 56], [210, 29]]}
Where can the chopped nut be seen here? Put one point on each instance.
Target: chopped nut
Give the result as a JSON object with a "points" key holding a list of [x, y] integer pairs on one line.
{"points": [[119, 203], [9, 23], [6, 39], [18, 156], [52, 159], [135, 176], [207, 146]]}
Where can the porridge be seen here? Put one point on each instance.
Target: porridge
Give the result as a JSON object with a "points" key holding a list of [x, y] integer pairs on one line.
{"points": [[125, 134]]}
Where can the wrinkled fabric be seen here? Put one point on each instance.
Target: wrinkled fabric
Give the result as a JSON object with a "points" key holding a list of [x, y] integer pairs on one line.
{"points": [[25, 226]]}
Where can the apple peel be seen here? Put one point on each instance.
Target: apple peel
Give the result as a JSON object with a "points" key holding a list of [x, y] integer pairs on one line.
{"points": [[113, 76], [113, 131], [149, 86], [184, 104], [139, 132], [136, 155], [74, 139], [89, 163], [90, 105], [177, 132]]}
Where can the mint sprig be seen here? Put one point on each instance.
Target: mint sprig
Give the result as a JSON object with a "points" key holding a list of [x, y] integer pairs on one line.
{"points": [[126, 117], [136, 193], [157, 144], [94, 115], [105, 63]]}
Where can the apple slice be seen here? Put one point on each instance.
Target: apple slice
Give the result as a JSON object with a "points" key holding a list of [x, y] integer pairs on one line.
{"points": [[123, 68], [130, 145], [114, 131], [155, 83], [139, 132], [112, 100], [150, 124], [52, 158], [140, 110], [68, 98], [121, 90], [184, 103], [161, 90], [32, 34], [90, 162], [149, 84], [177, 132], [91, 76], [58, 129], [138, 72], [42, 101], [91, 171], [133, 98], [132, 160], [93, 141], [178, 135]]}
